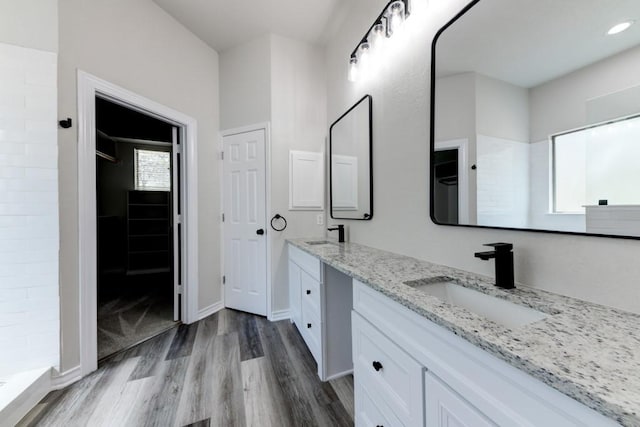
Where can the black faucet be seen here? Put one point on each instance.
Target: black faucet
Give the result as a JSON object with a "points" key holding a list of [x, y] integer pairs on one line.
{"points": [[503, 255], [340, 228]]}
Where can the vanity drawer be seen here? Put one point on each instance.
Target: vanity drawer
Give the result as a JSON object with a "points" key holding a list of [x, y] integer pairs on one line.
{"points": [[387, 371], [307, 262], [310, 291]]}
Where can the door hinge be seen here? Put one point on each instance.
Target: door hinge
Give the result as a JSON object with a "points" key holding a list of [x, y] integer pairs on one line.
{"points": [[222, 217], [180, 289], [224, 279], [222, 155]]}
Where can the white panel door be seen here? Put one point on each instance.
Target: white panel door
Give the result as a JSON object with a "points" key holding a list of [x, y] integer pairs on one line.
{"points": [[245, 242]]}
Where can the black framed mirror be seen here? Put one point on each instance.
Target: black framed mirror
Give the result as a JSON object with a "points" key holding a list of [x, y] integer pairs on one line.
{"points": [[535, 117], [351, 163]]}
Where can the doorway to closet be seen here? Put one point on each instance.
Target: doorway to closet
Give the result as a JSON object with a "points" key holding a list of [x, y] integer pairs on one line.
{"points": [[136, 195]]}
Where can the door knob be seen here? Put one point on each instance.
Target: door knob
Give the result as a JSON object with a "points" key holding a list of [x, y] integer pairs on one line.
{"points": [[377, 366], [308, 292], [309, 325], [260, 232]]}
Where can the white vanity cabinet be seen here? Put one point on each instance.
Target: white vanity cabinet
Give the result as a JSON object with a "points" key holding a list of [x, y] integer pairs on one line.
{"points": [[426, 375], [320, 300]]}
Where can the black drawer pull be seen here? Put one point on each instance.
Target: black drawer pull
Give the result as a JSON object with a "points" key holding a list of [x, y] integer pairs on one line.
{"points": [[308, 292], [379, 425], [377, 366], [308, 325]]}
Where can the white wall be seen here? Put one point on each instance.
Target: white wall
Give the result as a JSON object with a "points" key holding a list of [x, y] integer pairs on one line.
{"points": [[30, 23], [290, 76], [136, 45], [245, 84], [29, 303], [597, 269], [562, 103], [298, 122]]}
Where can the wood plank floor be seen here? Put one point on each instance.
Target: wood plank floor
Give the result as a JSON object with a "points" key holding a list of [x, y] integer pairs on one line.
{"points": [[230, 369]]}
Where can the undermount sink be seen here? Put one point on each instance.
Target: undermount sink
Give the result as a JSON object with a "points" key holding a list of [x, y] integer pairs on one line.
{"points": [[320, 242], [496, 309]]}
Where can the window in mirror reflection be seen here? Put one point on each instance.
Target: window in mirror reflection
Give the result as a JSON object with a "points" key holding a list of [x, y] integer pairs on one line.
{"points": [[596, 163]]}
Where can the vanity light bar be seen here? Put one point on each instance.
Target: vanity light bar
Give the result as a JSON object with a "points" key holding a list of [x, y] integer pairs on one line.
{"points": [[389, 20]]}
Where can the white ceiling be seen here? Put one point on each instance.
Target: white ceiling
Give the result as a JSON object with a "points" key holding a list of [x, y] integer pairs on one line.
{"points": [[225, 24], [528, 42]]}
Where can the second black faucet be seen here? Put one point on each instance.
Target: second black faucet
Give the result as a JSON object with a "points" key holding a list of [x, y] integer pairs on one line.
{"points": [[340, 228]]}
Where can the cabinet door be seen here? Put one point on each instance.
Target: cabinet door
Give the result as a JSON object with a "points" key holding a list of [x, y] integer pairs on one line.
{"points": [[446, 408], [294, 293]]}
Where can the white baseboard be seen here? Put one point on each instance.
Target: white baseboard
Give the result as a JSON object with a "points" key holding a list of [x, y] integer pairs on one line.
{"points": [[340, 374], [280, 315], [22, 393], [208, 311], [63, 379]]}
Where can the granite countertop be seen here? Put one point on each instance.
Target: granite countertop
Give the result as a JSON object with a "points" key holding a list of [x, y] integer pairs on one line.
{"points": [[584, 350]]}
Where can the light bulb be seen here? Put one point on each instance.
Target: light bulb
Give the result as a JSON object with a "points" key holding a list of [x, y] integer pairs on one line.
{"points": [[353, 69], [377, 36], [364, 61], [396, 16], [363, 54]]}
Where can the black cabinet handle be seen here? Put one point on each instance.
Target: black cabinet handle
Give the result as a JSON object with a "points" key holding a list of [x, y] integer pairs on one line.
{"points": [[377, 366], [308, 325], [260, 232], [308, 292]]}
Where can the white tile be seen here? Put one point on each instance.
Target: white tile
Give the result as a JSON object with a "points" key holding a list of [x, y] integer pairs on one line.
{"points": [[12, 123], [12, 318], [13, 245], [12, 294], [28, 257], [8, 272], [11, 221], [12, 101], [40, 173], [29, 226], [45, 74], [12, 148], [11, 172], [30, 281]]}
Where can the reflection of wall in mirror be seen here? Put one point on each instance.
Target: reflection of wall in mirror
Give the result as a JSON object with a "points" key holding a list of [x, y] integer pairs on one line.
{"points": [[470, 105], [350, 154], [600, 91], [488, 111], [344, 182]]}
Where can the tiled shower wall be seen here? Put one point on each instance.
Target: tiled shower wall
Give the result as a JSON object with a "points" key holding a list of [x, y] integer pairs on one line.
{"points": [[29, 241]]}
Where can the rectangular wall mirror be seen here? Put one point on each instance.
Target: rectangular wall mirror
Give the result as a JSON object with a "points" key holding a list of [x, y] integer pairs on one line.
{"points": [[536, 117], [350, 166]]}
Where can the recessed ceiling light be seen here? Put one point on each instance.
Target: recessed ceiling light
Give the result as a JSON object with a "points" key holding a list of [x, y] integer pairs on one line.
{"points": [[618, 28]]}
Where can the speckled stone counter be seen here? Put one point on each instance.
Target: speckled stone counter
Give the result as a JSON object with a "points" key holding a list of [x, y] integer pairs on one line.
{"points": [[586, 351]]}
